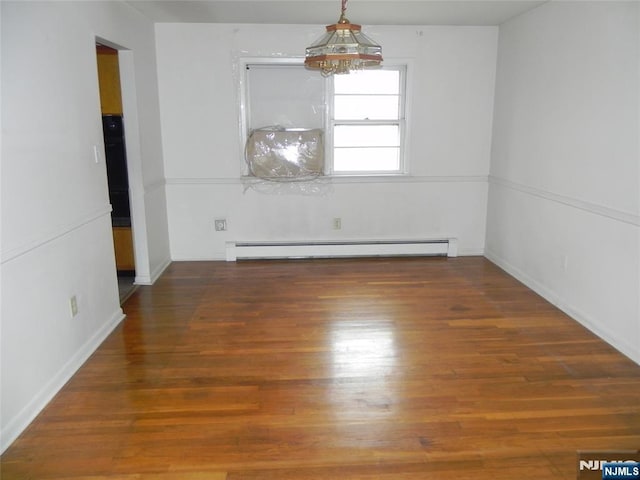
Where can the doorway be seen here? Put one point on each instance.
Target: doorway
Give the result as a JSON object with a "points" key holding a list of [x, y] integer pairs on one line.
{"points": [[113, 126]]}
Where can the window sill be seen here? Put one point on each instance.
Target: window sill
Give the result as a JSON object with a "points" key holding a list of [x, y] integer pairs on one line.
{"points": [[335, 179], [341, 178], [371, 178]]}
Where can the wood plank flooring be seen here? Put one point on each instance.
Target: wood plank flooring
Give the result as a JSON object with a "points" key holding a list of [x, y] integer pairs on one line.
{"points": [[405, 368]]}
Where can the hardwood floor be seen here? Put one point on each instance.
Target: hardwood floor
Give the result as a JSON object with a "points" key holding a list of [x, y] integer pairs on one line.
{"points": [[418, 368]]}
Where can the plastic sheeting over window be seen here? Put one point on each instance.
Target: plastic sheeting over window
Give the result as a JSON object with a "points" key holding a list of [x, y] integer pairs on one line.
{"points": [[282, 123], [279, 154]]}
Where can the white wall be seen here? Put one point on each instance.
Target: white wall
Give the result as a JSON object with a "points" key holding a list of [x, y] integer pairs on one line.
{"points": [[563, 205], [564, 195], [450, 99], [56, 230]]}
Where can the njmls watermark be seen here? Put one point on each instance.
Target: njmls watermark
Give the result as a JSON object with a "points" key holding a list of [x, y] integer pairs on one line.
{"points": [[609, 465]]}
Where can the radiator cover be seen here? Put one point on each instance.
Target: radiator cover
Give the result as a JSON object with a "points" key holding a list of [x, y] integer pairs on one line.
{"points": [[333, 249]]}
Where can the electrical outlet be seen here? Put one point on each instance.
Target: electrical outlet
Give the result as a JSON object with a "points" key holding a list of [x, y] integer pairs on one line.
{"points": [[220, 224], [337, 223], [73, 304]]}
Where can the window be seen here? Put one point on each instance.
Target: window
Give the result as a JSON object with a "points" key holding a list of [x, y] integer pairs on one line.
{"points": [[367, 122], [362, 114]]}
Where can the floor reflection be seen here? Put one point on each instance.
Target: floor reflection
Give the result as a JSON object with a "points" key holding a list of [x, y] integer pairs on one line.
{"points": [[364, 363], [362, 349]]}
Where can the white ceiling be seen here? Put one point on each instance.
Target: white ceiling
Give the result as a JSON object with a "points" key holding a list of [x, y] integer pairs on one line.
{"points": [[366, 12]]}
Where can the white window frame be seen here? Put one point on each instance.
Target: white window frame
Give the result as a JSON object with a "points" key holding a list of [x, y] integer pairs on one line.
{"points": [[402, 65], [401, 122]]}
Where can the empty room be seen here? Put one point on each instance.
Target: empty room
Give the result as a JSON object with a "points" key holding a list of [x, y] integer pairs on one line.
{"points": [[320, 239]]}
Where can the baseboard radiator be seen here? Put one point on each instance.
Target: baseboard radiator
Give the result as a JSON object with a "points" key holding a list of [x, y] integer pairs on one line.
{"points": [[360, 248]]}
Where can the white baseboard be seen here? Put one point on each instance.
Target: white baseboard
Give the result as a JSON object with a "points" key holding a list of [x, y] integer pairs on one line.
{"points": [[154, 275], [213, 258], [21, 421], [471, 252], [586, 321]]}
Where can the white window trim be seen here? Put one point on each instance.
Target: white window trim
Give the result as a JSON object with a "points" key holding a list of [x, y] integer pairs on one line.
{"points": [[402, 67], [405, 65]]}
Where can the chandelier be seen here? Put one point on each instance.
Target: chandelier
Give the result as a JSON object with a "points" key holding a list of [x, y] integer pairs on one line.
{"points": [[342, 49]]}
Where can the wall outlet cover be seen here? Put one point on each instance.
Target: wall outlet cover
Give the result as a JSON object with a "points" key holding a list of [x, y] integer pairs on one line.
{"points": [[220, 225]]}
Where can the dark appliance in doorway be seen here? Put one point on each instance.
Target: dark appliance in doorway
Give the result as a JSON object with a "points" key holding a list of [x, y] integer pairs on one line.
{"points": [[117, 175]]}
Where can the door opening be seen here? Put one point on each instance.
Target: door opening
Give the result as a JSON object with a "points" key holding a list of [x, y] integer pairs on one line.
{"points": [[113, 126]]}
